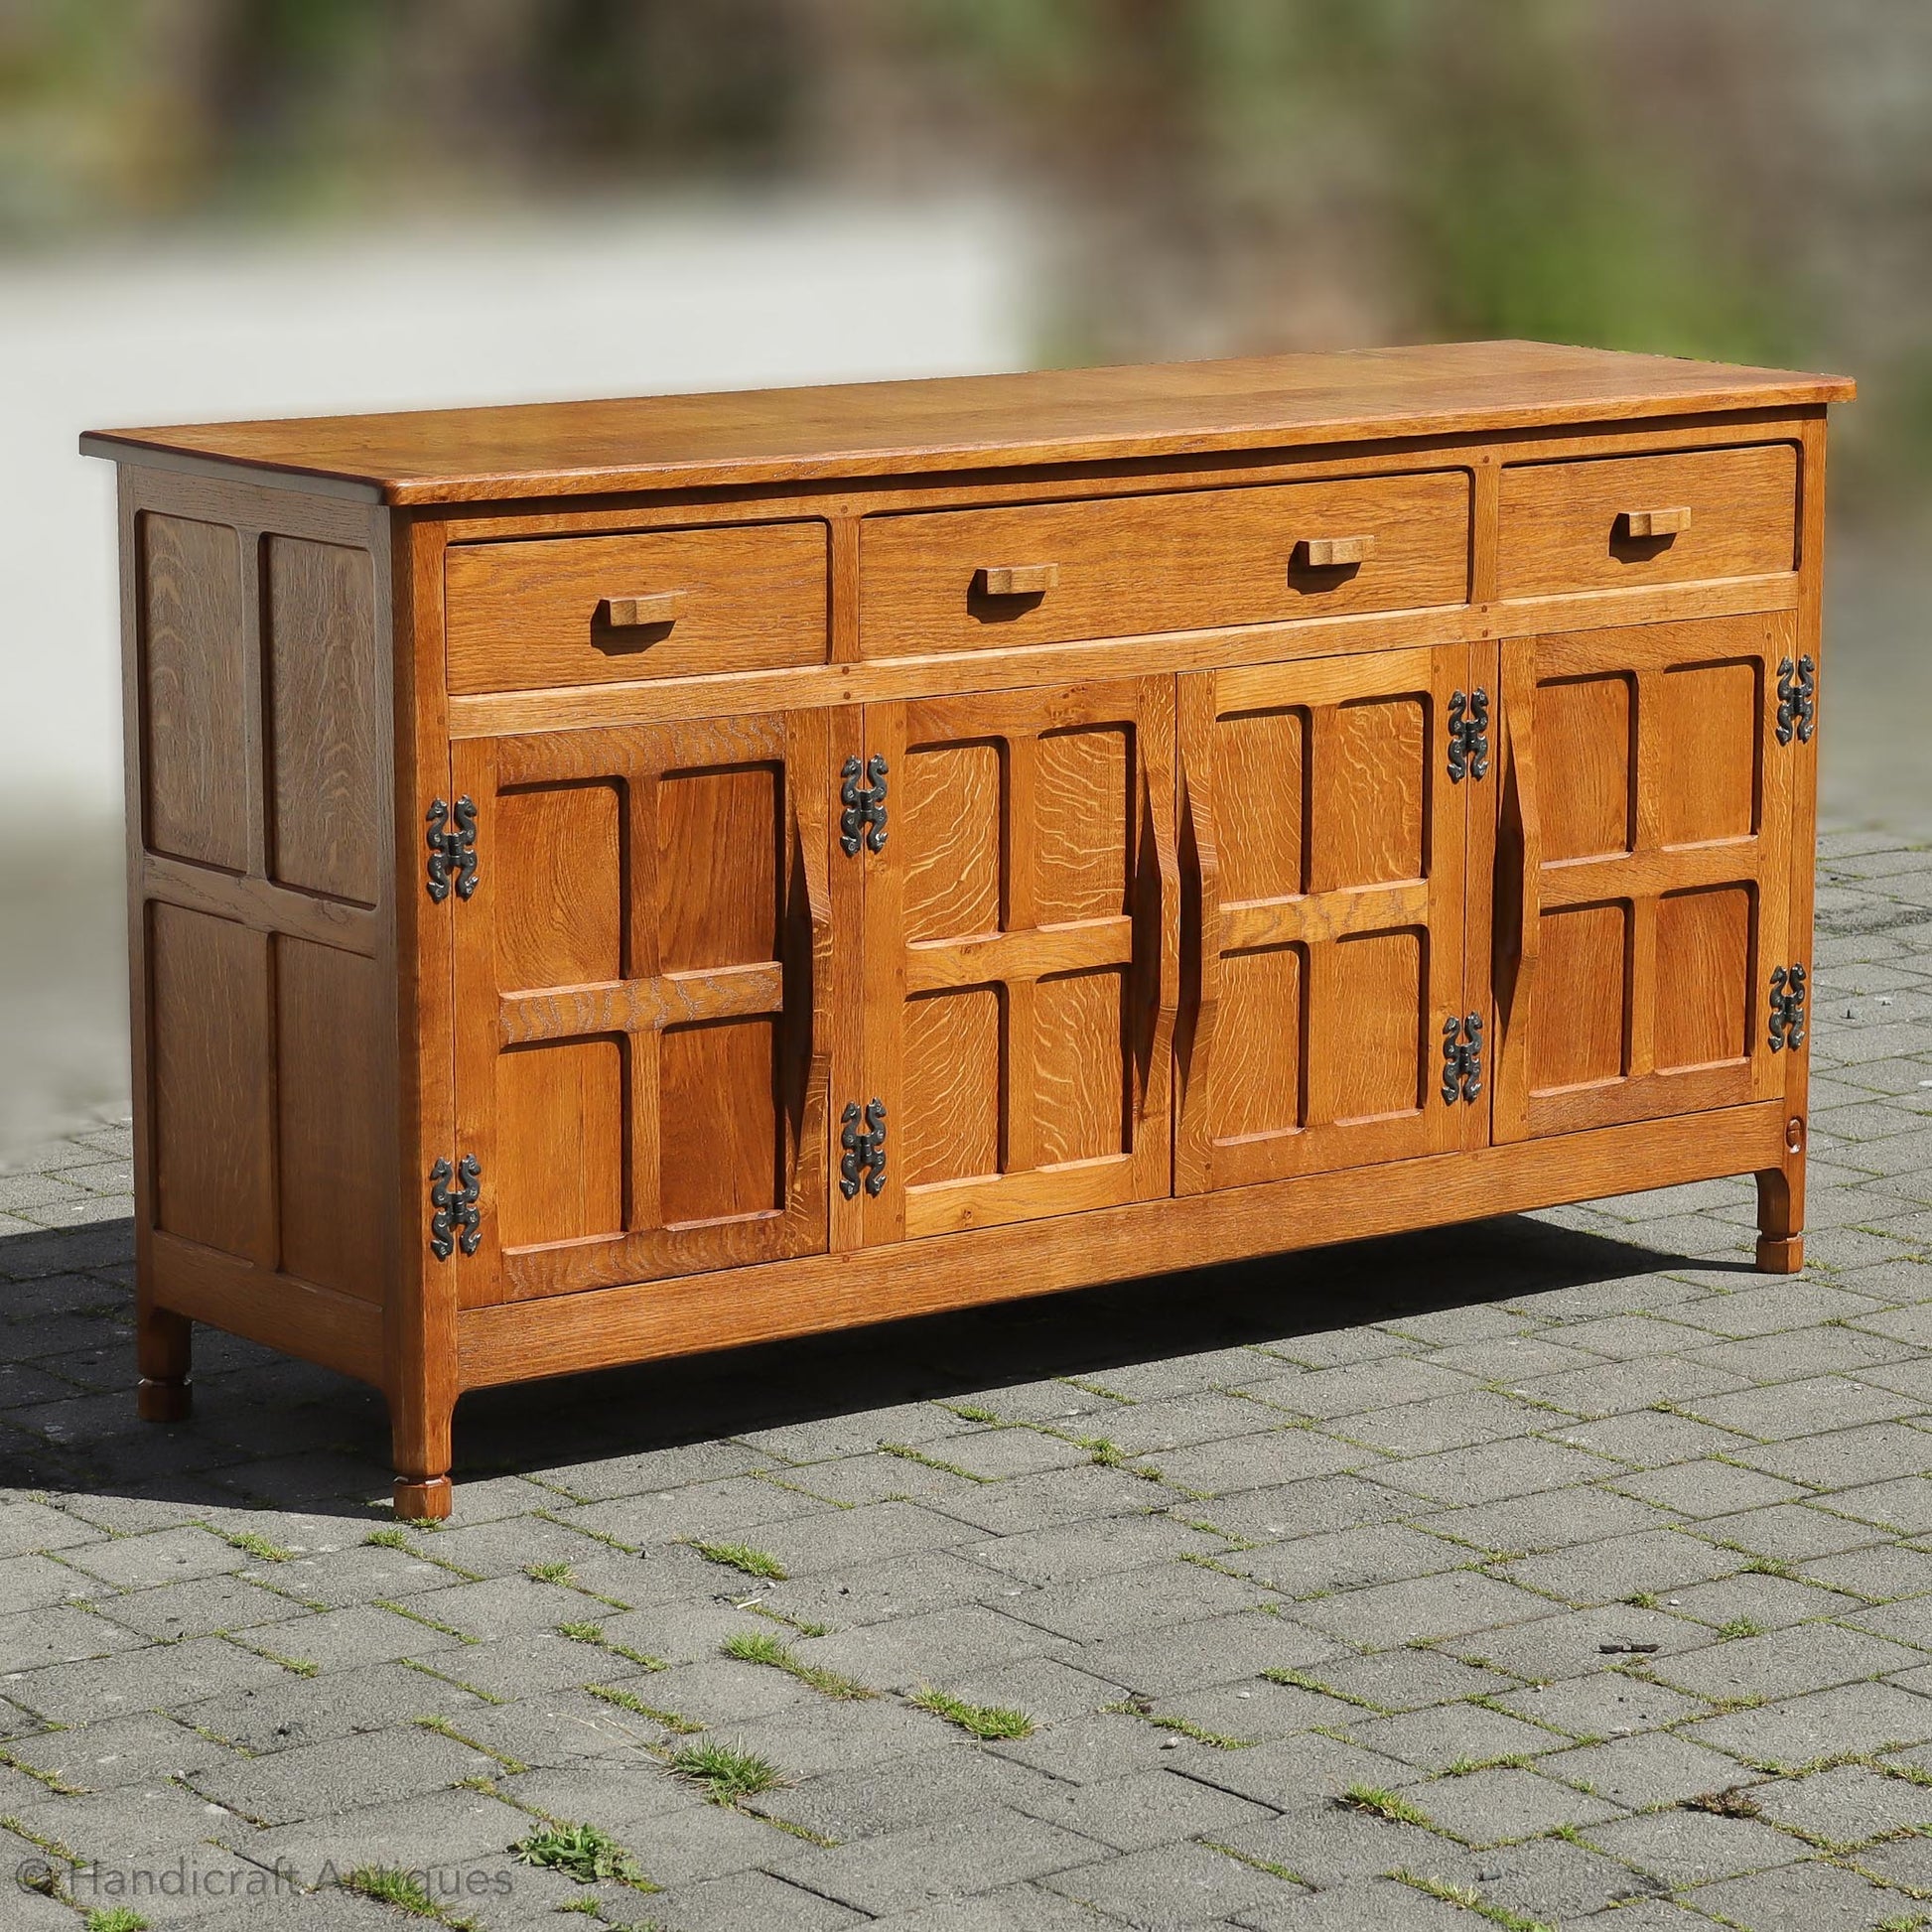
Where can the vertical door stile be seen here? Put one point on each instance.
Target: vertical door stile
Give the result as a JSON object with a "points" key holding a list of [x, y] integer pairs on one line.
{"points": [[643, 1192]]}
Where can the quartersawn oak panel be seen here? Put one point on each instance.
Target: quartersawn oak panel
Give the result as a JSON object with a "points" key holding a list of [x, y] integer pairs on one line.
{"points": [[211, 1064], [1563, 524], [1635, 976], [329, 1117], [320, 640], [194, 648], [645, 969], [1137, 563], [1324, 846], [522, 616], [1019, 945]]}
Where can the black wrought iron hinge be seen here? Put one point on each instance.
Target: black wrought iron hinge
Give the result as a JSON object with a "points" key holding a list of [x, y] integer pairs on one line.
{"points": [[452, 842], [1468, 735], [864, 1148], [1462, 1056], [1797, 699], [1787, 1008], [456, 1220], [864, 817]]}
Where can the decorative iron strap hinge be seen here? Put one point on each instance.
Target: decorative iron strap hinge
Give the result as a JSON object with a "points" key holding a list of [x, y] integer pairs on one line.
{"points": [[452, 849], [457, 1220], [865, 805], [1787, 1008], [1468, 735], [1462, 1057], [864, 1148], [1797, 699]]}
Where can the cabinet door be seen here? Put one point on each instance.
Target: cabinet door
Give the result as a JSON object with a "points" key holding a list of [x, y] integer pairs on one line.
{"points": [[1643, 861], [1323, 838], [1021, 959], [643, 996]]}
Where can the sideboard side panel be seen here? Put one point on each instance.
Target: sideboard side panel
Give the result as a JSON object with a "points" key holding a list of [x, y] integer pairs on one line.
{"points": [[260, 909]]}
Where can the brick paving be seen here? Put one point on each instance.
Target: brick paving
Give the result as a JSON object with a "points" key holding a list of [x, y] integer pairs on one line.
{"points": [[1545, 1572]]}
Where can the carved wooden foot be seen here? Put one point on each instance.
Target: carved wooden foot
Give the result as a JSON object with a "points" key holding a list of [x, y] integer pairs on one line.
{"points": [[1780, 1254], [429, 1500], [158, 1398]]}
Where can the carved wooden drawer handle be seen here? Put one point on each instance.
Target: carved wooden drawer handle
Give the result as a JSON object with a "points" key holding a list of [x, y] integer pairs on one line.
{"points": [[1019, 580], [1330, 553], [660, 607], [1665, 523]]}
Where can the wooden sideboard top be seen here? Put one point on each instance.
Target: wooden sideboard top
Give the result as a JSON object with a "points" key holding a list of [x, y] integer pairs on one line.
{"points": [[872, 429]]}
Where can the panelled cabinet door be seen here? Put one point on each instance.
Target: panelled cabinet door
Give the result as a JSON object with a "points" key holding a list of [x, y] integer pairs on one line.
{"points": [[1020, 957], [1642, 871], [1324, 1020], [643, 996]]}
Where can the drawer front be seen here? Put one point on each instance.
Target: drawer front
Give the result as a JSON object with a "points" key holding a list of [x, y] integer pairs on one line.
{"points": [[1647, 520], [607, 610], [1051, 573]]}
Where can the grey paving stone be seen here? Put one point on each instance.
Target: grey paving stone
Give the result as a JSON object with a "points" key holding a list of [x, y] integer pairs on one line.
{"points": [[1903, 1505], [1786, 1409], [1770, 1603], [751, 1898], [1171, 1886], [1102, 1745], [1387, 1615], [1569, 1643], [1362, 1387], [1655, 1561], [165, 1557], [1487, 1472], [1331, 1845], [166, 1678], [1295, 1773], [1790, 1532], [1409, 1680], [278, 1712], [1846, 1457], [1798, 1899], [1144, 1809], [1443, 1422], [1880, 1570], [1697, 1848], [1644, 1771], [1014, 1909], [1618, 1387], [1849, 1805], [1439, 1735], [926, 1579], [30, 1526], [1284, 1455], [1786, 1663], [1376, 1553], [1555, 1519], [1208, 1651], [1308, 1508], [982, 1852], [1709, 1488], [344, 1774], [200, 1608], [1077, 1552], [1368, 1905], [933, 1648], [1505, 1805], [1044, 1500], [1103, 1607], [1849, 1718]]}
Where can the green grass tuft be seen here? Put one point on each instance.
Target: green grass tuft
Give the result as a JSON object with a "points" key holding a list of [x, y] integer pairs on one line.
{"points": [[740, 1556], [390, 1887], [390, 1539], [1472, 1901], [549, 1572], [1740, 1626], [1372, 1798], [255, 1545], [1143, 1709], [114, 1918], [761, 1647], [582, 1853], [626, 1701], [981, 1719], [727, 1774]]}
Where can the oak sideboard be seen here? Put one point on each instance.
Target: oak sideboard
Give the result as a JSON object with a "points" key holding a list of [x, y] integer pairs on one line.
{"points": [[615, 879]]}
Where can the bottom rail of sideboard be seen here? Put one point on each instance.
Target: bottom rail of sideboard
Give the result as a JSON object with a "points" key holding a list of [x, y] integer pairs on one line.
{"points": [[559, 1335]]}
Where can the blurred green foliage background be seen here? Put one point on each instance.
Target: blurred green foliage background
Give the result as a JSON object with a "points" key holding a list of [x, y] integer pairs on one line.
{"points": [[1736, 178]]}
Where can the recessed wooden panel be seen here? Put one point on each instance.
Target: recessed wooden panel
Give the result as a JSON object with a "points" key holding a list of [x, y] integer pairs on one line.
{"points": [[955, 1087], [1080, 1077], [947, 812], [1080, 823], [1258, 1043], [559, 885], [720, 1100], [1381, 1010], [195, 691], [331, 1138], [1707, 752], [522, 616], [718, 837], [1371, 785], [1260, 785], [1705, 995], [1171, 562], [1565, 525], [210, 1050], [558, 1170], [1577, 1033], [1585, 741], [325, 688]]}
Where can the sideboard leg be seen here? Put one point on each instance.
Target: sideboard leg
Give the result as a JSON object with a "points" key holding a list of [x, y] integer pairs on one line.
{"points": [[1781, 1216], [164, 1344], [419, 1428]]}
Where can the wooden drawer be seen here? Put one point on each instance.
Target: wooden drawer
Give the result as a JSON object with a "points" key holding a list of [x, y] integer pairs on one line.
{"points": [[604, 610], [1111, 567], [1579, 526]]}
